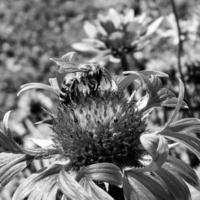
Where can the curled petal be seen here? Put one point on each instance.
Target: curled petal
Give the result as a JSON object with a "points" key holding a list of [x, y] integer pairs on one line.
{"points": [[157, 147], [105, 172], [178, 105], [5, 122], [30, 86]]}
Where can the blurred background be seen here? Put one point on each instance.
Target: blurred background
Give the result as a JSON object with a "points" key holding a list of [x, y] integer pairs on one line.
{"points": [[32, 31]]}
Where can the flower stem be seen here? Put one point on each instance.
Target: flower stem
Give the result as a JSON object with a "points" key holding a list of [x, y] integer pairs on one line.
{"points": [[180, 52], [124, 63]]}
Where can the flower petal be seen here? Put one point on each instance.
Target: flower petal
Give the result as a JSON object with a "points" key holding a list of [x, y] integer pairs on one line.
{"points": [[150, 184], [35, 183], [175, 185], [105, 172], [94, 191], [84, 47], [30, 86], [153, 27], [157, 147], [90, 29], [183, 170], [191, 142], [71, 188], [187, 124]]}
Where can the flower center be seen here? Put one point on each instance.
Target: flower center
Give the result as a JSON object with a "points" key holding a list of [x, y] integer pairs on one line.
{"points": [[104, 128]]}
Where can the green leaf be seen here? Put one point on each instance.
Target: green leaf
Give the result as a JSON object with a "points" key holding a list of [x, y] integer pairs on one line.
{"points": [[175, 185], [183, 170], [150, 183], [105, 172], [94, 191], [71, 188]]}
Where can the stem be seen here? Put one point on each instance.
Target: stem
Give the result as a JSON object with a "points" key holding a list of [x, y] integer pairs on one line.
{"points": [[124, 62], [180, 52]]}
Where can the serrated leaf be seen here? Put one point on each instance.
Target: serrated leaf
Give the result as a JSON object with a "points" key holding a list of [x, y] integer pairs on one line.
{"points": [[71, 188], [94, 191], [174, 184], [150, 183], [105, 172], [183, 170]]}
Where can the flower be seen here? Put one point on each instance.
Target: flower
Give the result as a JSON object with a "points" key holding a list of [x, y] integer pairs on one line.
{"points": [[117, 35], [102, 146]]}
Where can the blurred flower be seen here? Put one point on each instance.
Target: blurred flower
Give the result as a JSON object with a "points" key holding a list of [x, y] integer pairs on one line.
{"points": [[116, 35], [102, 145]]}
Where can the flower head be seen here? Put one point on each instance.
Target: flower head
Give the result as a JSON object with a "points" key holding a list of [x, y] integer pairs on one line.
{"points": [[101, 135], [117, 34]]}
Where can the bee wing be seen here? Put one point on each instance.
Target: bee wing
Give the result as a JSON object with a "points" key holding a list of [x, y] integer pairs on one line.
{"points": [[67, 63], [70, 57]]}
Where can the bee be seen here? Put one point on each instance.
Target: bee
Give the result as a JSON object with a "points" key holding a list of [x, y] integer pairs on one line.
{"points": [[79, 78]]}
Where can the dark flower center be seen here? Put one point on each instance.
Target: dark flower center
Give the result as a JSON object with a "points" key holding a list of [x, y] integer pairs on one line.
{"points": [[104, 128]]}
